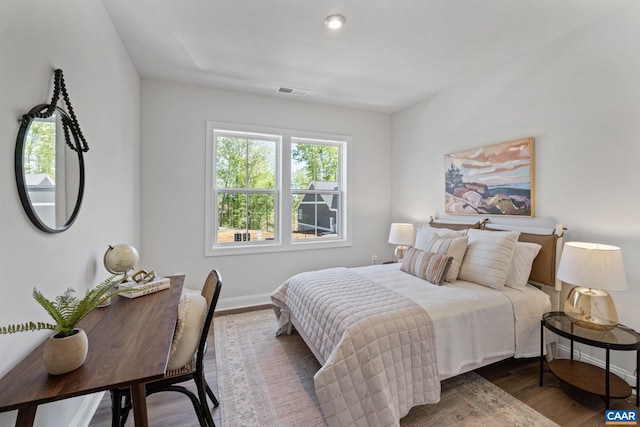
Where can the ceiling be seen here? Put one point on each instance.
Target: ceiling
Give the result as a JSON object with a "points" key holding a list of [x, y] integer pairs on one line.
{"points": [[389, 55]]}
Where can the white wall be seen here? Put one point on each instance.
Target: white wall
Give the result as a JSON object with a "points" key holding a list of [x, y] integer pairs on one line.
{"points": [[78, 37], [173, 185], [579, 96]]}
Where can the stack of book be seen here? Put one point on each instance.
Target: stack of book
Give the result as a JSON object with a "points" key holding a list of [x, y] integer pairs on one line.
{"points": [[136, 289]]}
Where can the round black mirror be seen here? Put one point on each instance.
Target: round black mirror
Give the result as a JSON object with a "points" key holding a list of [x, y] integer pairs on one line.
{"points": [[49, 168]]}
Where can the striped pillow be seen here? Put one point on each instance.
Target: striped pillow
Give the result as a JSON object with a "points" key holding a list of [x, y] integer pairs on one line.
{"points": [[429, 266], [453, 247], [488, 257]]}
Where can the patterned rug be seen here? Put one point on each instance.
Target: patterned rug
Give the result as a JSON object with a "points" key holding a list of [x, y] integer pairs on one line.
{"points": [[265, 380]]}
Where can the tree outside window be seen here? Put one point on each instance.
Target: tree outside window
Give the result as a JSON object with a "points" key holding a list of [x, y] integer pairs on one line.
{"points": [[245, 187]]}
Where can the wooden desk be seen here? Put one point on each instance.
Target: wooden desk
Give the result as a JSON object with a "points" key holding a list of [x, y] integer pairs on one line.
{"points": [[129, 344]]}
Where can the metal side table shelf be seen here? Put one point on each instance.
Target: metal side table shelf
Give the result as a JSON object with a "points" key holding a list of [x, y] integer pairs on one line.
{"points": [[584, 376]]}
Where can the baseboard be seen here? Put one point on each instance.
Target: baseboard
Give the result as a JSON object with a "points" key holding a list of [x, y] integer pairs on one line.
{"points": [[243, 302], [629, 377], [87, 409]]}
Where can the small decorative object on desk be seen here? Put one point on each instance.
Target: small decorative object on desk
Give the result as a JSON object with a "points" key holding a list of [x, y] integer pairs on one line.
{"points": [[135, 289], [67, 349], [119, 259], [143, 276]]}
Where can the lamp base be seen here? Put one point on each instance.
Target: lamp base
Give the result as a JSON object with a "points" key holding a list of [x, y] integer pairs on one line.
{"points": [[591, 309], [398, 252]]}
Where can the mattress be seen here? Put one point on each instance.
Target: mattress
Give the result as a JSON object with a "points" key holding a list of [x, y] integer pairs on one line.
{"points": [[473, 323]]}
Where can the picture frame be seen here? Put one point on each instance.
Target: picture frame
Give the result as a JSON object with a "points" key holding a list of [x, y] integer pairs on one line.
{"points": [[494, 179]]}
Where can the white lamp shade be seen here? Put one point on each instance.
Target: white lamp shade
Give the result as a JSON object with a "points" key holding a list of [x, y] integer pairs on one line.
{"points": [[401, 234], [592, 265]]}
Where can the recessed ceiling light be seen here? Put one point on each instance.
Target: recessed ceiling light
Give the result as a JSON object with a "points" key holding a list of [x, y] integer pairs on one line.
{"points": [[335, 21]]}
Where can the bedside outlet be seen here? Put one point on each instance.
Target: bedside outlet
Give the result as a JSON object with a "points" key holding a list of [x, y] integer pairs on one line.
{"points": [[374, 259]]}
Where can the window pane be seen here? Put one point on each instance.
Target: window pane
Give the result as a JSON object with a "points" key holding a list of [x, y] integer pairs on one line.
{"points": [[231, 162], [242, 222], [262, 163], [296, 211], [232, 217], [302, 170], [39, 162], [40, 148], [316, 215], [242, 157], [326, 163], [262, 216], [313, 163]]}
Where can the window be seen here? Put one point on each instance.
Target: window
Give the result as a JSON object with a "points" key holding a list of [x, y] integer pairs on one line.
{"points": [[316, 191], [245, 186], [254, 173]]}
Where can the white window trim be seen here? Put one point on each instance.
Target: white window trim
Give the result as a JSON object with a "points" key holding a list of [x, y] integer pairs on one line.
{"points": [[283, 177]]}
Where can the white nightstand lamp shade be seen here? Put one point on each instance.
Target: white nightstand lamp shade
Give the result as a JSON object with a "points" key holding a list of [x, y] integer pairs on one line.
{"points": [[594, 269], [401, 234]]}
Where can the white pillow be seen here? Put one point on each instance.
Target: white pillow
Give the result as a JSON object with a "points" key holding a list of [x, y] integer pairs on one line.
{"points": [[448, 232], [520, 268], [425, 232], [192, 312], [453, 247], [488, 257]]}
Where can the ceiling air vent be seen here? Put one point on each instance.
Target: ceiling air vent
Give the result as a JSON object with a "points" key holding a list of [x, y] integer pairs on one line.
{"points": [[293, 91]]}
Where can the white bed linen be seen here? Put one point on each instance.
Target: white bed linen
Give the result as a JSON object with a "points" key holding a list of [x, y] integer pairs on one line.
{"points": [[473, 323]]}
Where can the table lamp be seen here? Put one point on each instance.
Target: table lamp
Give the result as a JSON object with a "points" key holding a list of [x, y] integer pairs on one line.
{"points": [[401, 234], [594, 269]]}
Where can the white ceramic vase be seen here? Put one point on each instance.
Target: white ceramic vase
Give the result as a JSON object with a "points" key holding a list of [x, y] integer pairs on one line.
{"points": [[62, 355]]}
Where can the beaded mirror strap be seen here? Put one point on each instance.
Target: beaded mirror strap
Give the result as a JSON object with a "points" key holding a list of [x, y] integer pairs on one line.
{"points": [[74, 126]]}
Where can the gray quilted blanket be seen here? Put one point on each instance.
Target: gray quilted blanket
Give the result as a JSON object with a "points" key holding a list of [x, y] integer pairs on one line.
{"points": [[378, 346]]}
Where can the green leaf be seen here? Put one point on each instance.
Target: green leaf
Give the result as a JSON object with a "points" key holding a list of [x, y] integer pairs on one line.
{"points": [[24, 327], [67, 310]]}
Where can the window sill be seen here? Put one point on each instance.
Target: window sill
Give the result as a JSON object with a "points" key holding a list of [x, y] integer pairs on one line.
{"points": [[275, 247]]}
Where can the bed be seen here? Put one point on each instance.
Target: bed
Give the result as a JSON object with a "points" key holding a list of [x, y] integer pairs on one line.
{"points": [[386, 336]]}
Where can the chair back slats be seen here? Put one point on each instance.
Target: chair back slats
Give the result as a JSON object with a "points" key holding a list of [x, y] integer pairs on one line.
{"points": [[211, 292], [209, 287]]}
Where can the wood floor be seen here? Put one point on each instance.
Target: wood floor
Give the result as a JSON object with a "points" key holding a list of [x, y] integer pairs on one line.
{"points": [[559, 402], [519, 377]]}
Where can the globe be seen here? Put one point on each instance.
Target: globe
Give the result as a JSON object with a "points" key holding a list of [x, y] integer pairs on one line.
{"points": [[118, 259]]}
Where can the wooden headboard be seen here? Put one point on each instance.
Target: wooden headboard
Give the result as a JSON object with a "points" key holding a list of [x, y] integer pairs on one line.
{"points": [[543, 271]]}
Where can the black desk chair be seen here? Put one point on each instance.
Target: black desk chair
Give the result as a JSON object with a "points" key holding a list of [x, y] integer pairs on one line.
{"points": [[193, 370]]}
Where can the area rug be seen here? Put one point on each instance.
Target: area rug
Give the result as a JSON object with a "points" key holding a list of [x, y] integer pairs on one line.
{"points": [[264, 380]]}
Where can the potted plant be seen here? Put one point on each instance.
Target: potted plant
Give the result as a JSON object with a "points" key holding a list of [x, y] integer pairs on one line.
{"points": [[67, 348]]}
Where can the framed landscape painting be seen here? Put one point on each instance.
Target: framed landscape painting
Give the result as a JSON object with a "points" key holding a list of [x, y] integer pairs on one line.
{"points": [[491, 180]]}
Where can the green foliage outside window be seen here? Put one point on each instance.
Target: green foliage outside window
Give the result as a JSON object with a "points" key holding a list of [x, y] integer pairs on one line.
{"points": [[245, 178], [313, 162], [40, 149], [245, 163]]}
